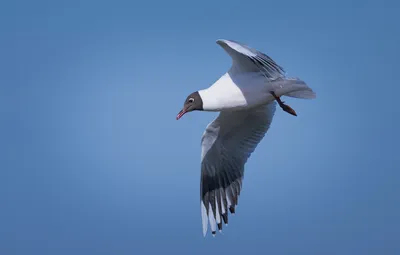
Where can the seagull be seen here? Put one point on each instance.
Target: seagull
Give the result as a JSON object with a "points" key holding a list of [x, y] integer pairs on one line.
{"points": [[245, 97]]}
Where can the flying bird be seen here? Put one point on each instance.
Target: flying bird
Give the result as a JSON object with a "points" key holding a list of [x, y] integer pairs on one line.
{"points": [[245, 97]]}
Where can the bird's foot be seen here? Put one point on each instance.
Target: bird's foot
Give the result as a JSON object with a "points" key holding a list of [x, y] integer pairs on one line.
{"points": [[284, 107], [288, 109]]}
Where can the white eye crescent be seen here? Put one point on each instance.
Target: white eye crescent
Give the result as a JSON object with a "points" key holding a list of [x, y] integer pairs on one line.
{"points": [[191, 100]]}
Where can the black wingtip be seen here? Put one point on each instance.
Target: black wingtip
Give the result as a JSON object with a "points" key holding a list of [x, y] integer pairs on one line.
{"points": [[232, 209], [225, 218], [220, 226]]}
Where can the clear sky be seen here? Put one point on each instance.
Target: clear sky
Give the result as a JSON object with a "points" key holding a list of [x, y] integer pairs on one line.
{"points": [[92, 160]]}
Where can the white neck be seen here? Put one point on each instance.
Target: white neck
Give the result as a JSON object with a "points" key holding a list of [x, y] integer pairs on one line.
{"points": [[228, 94], [223, 94]]}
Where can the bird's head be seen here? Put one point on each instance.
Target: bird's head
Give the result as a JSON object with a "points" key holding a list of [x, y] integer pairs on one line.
{"points": [[193, 102]]}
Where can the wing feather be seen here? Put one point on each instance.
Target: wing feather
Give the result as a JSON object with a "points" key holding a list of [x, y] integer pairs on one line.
{"points": [[247, 59], [227, 143]]}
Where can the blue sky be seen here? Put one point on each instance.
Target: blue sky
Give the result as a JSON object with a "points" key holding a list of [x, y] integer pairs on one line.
{"points": [[94, 162]]}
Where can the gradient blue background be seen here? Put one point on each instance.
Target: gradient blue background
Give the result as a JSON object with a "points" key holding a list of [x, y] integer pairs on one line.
{"points": [[94, 162]]}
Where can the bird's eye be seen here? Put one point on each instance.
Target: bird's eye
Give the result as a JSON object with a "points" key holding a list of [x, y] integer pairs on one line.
{"points": [[191, 100]]}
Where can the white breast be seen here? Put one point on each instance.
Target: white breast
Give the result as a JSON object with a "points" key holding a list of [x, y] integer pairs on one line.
{"points": [[236, 92]]}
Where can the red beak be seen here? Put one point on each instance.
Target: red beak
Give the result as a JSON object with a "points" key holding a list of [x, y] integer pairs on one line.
{"points": [[180, 114]]}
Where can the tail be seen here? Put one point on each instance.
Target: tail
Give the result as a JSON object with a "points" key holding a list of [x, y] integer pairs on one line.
{"points": [[292, 87]]}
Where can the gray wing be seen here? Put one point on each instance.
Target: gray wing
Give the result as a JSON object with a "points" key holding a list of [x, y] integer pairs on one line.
{"points": [[227, 143], [247, 59]]}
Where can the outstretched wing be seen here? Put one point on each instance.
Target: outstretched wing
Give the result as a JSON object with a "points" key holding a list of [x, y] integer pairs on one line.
{"points": [[247, 59], [227, 143]]}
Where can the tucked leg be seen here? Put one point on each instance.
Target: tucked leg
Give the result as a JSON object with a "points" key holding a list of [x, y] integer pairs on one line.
{"points": [[284, 107]]}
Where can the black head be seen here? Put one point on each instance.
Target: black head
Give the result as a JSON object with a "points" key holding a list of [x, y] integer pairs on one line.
{"points": [[193, 102]]}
